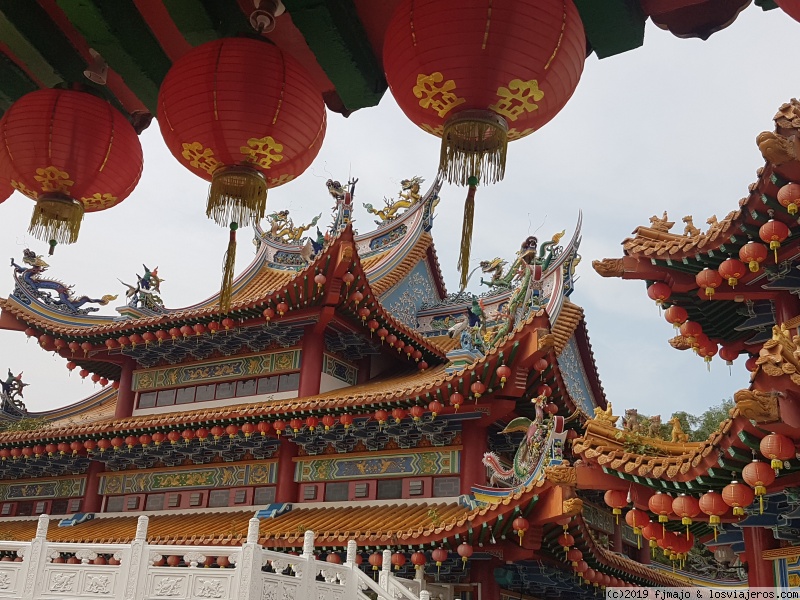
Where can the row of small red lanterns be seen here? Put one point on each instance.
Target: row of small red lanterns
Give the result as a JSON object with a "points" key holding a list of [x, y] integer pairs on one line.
{"points": [[589, 575], [84, 373]]}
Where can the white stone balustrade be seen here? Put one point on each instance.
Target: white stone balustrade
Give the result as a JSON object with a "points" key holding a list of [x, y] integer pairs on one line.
{"points": [[142, 571]]}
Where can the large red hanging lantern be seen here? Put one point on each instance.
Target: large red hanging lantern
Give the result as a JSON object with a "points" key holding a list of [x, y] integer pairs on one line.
{"points": [[687, 508], [617, 500], [676, 315], [71, 152], [691, 330], [659, 292], [465, 550], [660, 504], [637, 519], [712, 504], [653, 532], [520, 525], [732, 270], [758, 475], [773, 233], [728, 354], [777, 448], [709, 280], [245, 116], [566, 541], [738, 496], [753, 254], [790, 7], [789, 194], [479, 74]]}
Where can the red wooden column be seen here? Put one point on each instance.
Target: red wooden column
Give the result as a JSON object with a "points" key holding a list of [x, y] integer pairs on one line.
{"points": [[474, 443], [787, 306], [125, 394], [92, 500], [287, 486], [482, 572], [617, 540], [644, 552], [759, 571], [364, 366], [311, 362]]}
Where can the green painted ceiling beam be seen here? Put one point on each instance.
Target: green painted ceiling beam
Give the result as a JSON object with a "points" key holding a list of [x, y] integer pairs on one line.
{"points": [[336, 36], [16, 82], [117, 31], [612, 26], [24, 50], [192, 20]]}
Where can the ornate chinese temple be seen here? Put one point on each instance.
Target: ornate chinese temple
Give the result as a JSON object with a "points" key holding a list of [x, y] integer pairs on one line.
{"points": [[334, 424]]}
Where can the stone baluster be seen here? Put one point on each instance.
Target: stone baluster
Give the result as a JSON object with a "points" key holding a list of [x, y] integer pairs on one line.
{"points": [[308, 545], [386, 570], [36, 558], [424, 595], [134, 563], [249, 568], [352, 550]]}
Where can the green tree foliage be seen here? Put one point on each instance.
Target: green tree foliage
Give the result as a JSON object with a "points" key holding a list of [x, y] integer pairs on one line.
{"points": [[699, 427]]}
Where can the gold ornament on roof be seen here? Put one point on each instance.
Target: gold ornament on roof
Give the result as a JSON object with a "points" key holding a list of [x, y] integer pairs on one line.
{"points": [[662, 224], [690, 230], [282, 227], [409, 196], [605, 417]]}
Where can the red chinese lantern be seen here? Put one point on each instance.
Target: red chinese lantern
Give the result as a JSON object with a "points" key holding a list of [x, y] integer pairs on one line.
{"points": [[158, 438], [283, 308], [422, 365], [660, 504], [589, 575], [777, 448], [520, 525], [320, 280], [753, 254], [418, 560], [544, 391], [790, 7], [213, 327], [311, 423], [73, 153], [417, 412], [676, 315], [296, 424], [333, 558], [376, 560], [186, 331], [464, 550], [373, 326], [149, 336], [482, 79], [773, 233], [248, 429], [565, 540], [356, 297], [580, 567], [46, 341], [637, 519], [712, 504], [541, 365], [708, 279], [738, 496], [217, 431], [728, 354], [346, 420], [363, 312], [398, 560], [477, 389], [503, 372], [690, 330], [381, 416], [232, 430], [435, 407], [652, 533], [242, 133], [750, 364], [439, 556], [227, 323], [659, 292], [199, 329], [617, 500], [409, 350], [733, 270], [789, 194], [758, 475], [456, 400], [574, 556], [95, 378], [348, 278], [687, 508], [279, 426], [328, 421], [76, 447], [84, 373], [263, 427], [71, 366]]}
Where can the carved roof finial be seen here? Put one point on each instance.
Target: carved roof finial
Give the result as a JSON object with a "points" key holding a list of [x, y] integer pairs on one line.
{"points": [[662, 224]]}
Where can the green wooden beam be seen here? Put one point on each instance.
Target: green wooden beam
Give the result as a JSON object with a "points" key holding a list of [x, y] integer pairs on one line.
{"points": [[192, 20], [612, 26], [15, 82], [336, 36], [119, 33]]}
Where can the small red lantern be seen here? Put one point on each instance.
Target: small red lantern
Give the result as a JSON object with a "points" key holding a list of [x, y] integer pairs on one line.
{"points": [[565, 540], [76, 447], [477, 389], [137, 340], [131, 441], [73, 153], [356, 297], [46, 341], [248, 429], [417, 412], [328, 421], [186, 331], [74, 347], [279, 426], [788, 196], [71, 366], [580, 567], [117, 442], [95, 378], [422, 365], [773, 233], [589, 575], [333, 558], [391, 339], [263, 427], [59, 344], [574, 556], [346, 420], [777, 448], [363, 312], [503, 372], [84, 373], [687, 508], [282, 307], [348, 278], [373, 325], [217, 431], [617, 500], [311, 423], [174, 436], [637, 519], [738, 496], [661, 505], [145, 440], [296, 424], [728, 354], [708, 279], [228, 323], [733, 270], [149, 337], [690, 330], [541, 365], [409, 350], [753, 254], [382, 333], [750, 364], [435, 407], [520, 525], [31, 332], [398, 560], [456, 400], [544, 391], [659, 292], [418, 560], [232, 431], [199, 328], [464, 550], [381, 416], [213, 327], [376, 560], [439, 556], [174, 333], [759, 475], [158, 438], [712, 504], [320, 280]]}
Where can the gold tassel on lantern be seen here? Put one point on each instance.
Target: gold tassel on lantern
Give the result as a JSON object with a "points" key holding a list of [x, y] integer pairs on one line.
{"points": [[56, 218], [238, 193], [229, 263], [466, 232], [474, 142]]}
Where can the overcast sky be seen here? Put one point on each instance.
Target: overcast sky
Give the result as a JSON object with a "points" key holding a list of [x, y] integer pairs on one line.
{"points": [[670, 126]]}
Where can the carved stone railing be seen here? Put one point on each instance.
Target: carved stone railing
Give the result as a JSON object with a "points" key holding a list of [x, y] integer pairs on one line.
{"points": [[42, 570]]}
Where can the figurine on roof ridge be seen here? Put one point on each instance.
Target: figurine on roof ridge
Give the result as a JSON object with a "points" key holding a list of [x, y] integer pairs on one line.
{"points": [[11, 394], [409, 196], [147, 292], [282, 228], [29, 280]]}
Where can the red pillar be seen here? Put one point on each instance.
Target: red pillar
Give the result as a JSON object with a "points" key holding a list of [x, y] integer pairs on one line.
{"points": [[617, 540], [311, 362], [644, 552], [125, 395], [364, 366], [787, 306], [759, 571], [287, 486], [474, 443], [92, 500], [482, 572]]}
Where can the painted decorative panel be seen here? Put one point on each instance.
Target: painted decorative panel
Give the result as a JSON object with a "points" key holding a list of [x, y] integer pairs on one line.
{"points": [[575, 378], [338, 369], [376, 466], [132, 482], [70, 487], [406, 298], [598, 518], [787, 572], [215, 370], [388, 239]]}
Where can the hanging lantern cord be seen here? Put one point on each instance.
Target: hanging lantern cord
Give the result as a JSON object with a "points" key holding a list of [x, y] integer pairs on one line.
{"points": [[53, 244], [229, 263], [466, 231]]}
